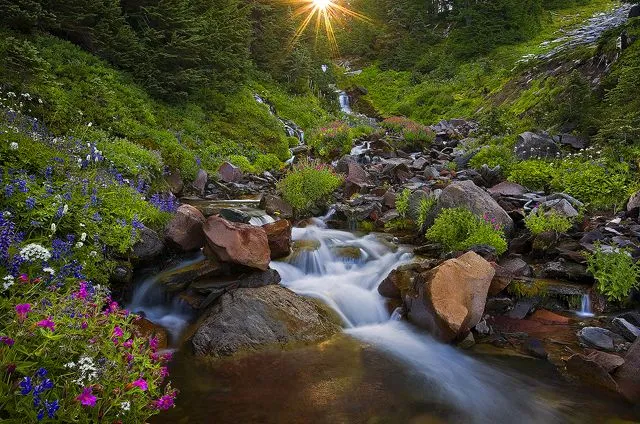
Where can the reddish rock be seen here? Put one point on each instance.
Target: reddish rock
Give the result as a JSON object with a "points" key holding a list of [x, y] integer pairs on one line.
{"points": [[233, 242], [185, 229], [547, 317], [608, 361], [229, 173], [174, 180], [357, 178], [501, 279], [146, 329], [279, 236], [590, 372], [628, 375], [452, 297], [507, 188], [200, 183]]}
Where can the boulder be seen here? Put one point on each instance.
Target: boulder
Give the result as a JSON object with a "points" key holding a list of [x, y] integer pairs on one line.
{"points": [[465, 194], [561, 207], [252, 319], [180, 278], [634, 201], [146, 329], [229, 173], [600, 338], [149, 247], [174, 181], [402, 279], [626, 329], [200, 183], [237, 243], [507, 188], [357, 179], [590, 372], [628, 374], [634, 12], [184, 231], [451, 297], [608, 361], [279, 237], [275, 206], [573, 141], [533, 146]]}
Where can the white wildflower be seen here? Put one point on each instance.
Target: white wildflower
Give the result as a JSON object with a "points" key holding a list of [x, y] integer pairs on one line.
{"points": [[82, 225], [33, 252], [53, 227], [13, 146], [93, 253], [126, 405], [83, 236], [88, 158], [50, 271], [8, 282], [65, 209], [90, 124], [79, 245]]}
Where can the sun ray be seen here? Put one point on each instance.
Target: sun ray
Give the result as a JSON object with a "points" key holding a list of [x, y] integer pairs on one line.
{"points": [[327, 13]]}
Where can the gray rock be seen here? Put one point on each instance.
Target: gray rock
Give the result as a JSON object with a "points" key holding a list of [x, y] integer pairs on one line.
{"points": [[590, 372], [561, 207], [573, 141], [563, 270], [507, 188], [628, 375], [235, 215], [626, 329], [229, 173], [431, 173], [535, 348], [632, 316], [531, 145], [275, 206], [634, 201], [634, 12], [201, 181], [149, 247], [253, 319], [465, 194], [498, 305], [522, 308], [600, 338], [482, 327]]}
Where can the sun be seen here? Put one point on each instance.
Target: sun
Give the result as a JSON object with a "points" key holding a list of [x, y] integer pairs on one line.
{"points": [[325, 13], [322, 4]]}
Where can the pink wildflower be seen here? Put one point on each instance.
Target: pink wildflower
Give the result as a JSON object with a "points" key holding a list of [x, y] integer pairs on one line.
{"points": [[165, 402], [47, 323], [86, 398], [117, 332], [24, 278], [82, 291], [22, 309], [128, 343], [140, 383]]}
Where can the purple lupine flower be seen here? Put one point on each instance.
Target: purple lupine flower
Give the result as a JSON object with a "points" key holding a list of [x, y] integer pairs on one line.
{"points": [[31, 203], [26, 386]]}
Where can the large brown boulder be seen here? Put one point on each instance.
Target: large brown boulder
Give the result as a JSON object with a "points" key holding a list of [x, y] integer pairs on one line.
{"points": [[184, 231], [451, 298], [628, 374], [357, 178], [252, 319], [465, 194], [237, 243], [279, 236], [229, 173]]}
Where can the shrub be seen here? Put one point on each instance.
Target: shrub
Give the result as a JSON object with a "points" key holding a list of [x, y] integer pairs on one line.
{"points": [[539, 222], [307, 185], [493, 156], [599, 184], [402, 202], [615, 271], [241, 162], [534, 174], [415, 136], [459, 229], [424, 209], [331, 141], [536, 288], [132, 160], [268, 162]]}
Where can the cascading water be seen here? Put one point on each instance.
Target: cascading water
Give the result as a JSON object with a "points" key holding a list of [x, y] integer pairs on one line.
{"points": [[344, 271], [343, 98], [585, 307]]}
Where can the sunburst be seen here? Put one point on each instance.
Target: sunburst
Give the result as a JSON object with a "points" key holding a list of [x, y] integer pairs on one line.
{"points": [[325, 13]]}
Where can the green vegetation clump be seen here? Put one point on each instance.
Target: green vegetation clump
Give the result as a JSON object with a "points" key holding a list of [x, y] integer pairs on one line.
{"points": [[241, 162], [539, 222], [332, 140], [268, 162], [402, 202], [521, 289], [308, 185], [425, 207], [414, 136], [494, 155], [459, 229], [534, 174], [615, 271]]}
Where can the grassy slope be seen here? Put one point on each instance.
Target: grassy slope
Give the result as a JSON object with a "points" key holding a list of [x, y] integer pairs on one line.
{"points": [[468, 86], [78, 89]]}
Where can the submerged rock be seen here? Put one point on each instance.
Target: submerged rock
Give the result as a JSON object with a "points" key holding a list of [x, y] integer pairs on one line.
{"points": [[251, 319], [237, 243], [590, 372]]}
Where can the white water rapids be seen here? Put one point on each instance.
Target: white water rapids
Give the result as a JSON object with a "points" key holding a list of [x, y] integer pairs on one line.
{"points": [[348, 284]]}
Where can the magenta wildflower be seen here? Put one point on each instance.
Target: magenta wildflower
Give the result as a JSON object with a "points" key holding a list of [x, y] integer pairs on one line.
{"points": [[84, 325], [128, 343], [47, 323], [82, 291], [22, 309], [24, 278], [117, 332], [86, 398], [153, 343], [165, 402], [140, 383], [164, 372], [112, 308], [7, 340]]}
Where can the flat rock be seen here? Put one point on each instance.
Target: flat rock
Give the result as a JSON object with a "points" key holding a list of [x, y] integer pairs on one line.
{"points": [[253, 319], [600, 338], [237, 243], [626, 329], [507, 188]]}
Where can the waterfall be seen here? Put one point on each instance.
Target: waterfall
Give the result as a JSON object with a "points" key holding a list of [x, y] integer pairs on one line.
{"points": [[585, 307], [344, 271], [343, 98]]}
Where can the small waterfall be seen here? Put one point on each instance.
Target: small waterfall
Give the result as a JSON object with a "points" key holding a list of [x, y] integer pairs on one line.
{"points": [[290, 128], [343, 98], [344, 272], [585, 307]]}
